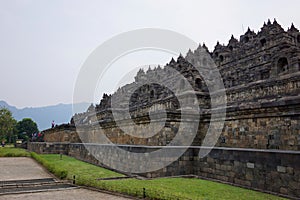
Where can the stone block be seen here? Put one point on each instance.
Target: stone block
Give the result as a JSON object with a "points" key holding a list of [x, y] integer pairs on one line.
{"points": [[249, 176], [242, 182], [223, 167], [210, 160], [230, 174], [223, 178], [220, 172], [290, 170], [281, 169], [283, 190], [250, 165], [236, 163], [293, 185], [228, 167]]}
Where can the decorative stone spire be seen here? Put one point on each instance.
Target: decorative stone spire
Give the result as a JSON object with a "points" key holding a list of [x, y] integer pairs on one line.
{"points": [[248, 30], [104, 96], [91, 108], [293, 28], [141, 71], [139, 75], [189, 54], [232, 43], [218, 46], [276, 27], [198, 48], [149, 69], [264, 26], [180, 58], [233, 40], [269, 27], [172, 61], [205, 47]]}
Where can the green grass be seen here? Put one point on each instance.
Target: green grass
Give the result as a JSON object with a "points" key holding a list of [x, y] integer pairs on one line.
{"points": [[75, 167], [13, 152], [161, 188], [56, 169]]}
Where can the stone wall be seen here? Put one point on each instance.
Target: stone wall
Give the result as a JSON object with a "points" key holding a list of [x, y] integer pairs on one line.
{"points": [[260, 141], [269, 170], [61, 133], [48, 147], [258, 115], [267, 125], [263, 126]]}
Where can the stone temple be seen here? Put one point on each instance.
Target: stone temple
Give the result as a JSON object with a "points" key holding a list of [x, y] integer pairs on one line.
{"points": [[259, 144]]}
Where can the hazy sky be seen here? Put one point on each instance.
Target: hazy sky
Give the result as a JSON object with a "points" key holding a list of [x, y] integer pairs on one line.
{"points": [[43, 43]]}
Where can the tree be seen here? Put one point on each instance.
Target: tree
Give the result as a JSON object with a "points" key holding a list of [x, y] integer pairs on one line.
{"points": [[27, 126], [7, 125]]}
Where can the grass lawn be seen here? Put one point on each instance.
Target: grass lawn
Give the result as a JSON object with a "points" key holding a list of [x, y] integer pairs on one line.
{"points": [[78, 168], [13, 152], [161, 188]]}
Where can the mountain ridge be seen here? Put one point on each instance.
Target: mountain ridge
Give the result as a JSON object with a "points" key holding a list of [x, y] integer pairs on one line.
{"points": [[43, 116]]}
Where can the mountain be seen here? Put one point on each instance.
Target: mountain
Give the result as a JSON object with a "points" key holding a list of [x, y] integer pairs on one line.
{"points": [[43, 116]]}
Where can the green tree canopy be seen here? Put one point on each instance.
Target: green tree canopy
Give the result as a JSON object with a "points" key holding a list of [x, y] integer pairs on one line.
{"points": [[27, 126], [7, 124]]}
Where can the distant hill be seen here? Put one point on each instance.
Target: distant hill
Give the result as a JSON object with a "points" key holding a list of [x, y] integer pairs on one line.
{"points": [[43, 116]]}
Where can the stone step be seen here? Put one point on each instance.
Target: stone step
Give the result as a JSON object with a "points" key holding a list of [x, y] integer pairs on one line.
{"points": [[25, 182], [34, 185]]}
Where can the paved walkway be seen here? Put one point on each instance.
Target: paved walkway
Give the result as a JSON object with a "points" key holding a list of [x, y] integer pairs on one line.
{"points": [[19, 168], [27, 168], [71, 194]]}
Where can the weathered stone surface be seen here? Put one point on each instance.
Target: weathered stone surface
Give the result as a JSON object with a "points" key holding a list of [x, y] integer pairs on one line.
{"points": [[263, 176], [250, 165], [261, 75], [262, 80], [283, 190], [62, 133], [281, 169]]}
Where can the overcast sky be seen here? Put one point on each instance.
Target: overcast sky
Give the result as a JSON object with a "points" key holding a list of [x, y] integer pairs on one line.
{"points": [[43, 43]]}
